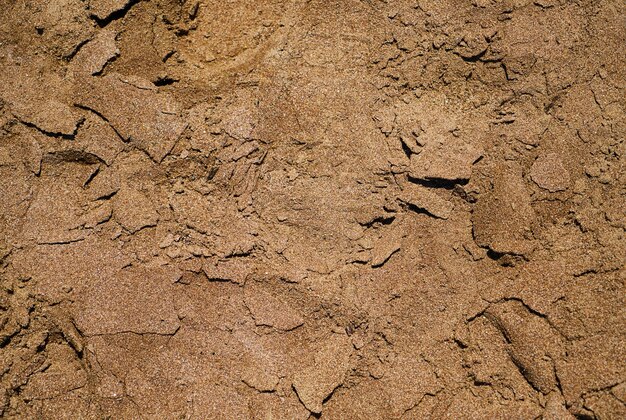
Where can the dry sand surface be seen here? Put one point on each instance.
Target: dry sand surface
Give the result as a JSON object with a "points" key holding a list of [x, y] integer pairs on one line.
{"points": [[301, 209]]}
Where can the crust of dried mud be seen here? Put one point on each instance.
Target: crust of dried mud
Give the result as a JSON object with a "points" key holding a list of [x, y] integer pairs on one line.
{"points": [[312, 209]]}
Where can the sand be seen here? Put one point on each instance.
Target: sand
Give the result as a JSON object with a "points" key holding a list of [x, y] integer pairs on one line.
{"points": [[296, 209]]}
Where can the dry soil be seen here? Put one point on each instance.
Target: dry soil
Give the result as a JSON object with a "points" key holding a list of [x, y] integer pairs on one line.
{"points": [[295, 209]]}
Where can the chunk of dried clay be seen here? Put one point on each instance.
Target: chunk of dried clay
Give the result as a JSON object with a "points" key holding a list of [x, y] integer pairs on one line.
{"points": [[384, 250], [591, 363], [426, 200], [619, 391], [503, 216], [268, 309], [54, 216], [32, 154], [53, 379], [450, 161], [231, 270], [317, 381], [138, 112], [407, 382], [387, 245], [51, 117], [69, 331], [555, 408], [94, 56], [98, 138], [549, 173], [96, 216], [192, 208], [136, 300], [105, 184], [257, 373], [532, 343], [133, 210]]}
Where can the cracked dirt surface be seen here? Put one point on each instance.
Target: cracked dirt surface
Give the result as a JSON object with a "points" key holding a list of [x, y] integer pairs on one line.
{"points": [[299, 209]]}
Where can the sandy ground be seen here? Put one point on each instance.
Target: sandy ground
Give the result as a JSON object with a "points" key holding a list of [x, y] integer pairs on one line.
{"points": [[295, 209]]}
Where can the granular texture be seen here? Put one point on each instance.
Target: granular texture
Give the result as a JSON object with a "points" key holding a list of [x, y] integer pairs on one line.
{"points": [[300, 209]]}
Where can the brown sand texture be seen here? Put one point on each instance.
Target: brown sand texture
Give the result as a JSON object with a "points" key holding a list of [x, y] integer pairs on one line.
{"points": [[305, 209]]}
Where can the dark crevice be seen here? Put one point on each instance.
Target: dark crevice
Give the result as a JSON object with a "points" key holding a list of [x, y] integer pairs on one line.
{"points": [[496, 323], [382, 220], [586, 272], [485, 311], [494, 255], [63, 136], [193, 13], [522, 371], [460, 192], [506, 71], [447, 184], [386, 259], [474, 58], [543, 6], [76, 49], [556, 377], [506, 259], [420, 210], [86, 108], [460, 343], [180, 32], [165, 81], [91, 177], [406, 149], [168, 55], [219, 280], [6, 339], [107, 197], [329, 396], [75, 156], [528, 308], [260, 391], [480, 382], [104, 66], [116, 15], [478, 315], [48, 133], [61, 242]]}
